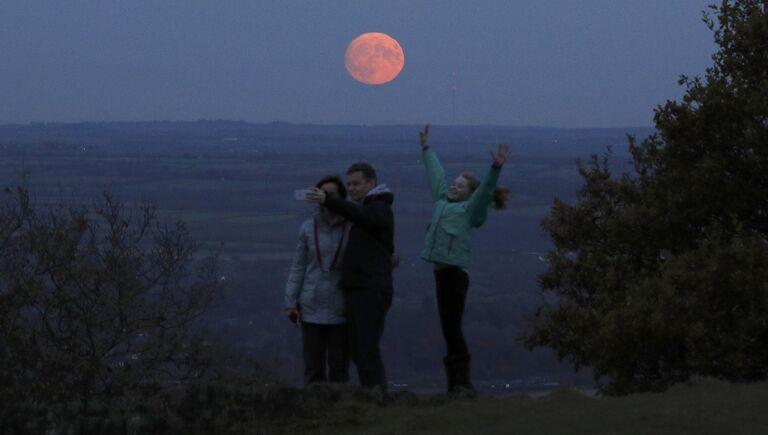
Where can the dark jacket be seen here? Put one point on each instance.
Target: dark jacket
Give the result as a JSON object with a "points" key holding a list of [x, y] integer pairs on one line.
{"points": [[366, 263]]}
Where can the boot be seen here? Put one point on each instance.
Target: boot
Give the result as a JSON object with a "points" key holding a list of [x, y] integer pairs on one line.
{"points": [[450, 374], [458, 373]]}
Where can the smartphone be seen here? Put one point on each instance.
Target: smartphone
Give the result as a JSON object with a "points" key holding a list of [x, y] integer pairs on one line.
{"points": [[301, 194]]}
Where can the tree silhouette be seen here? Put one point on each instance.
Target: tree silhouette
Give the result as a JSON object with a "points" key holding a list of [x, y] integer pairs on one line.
{"points": [[97, 303], [660, 274]]}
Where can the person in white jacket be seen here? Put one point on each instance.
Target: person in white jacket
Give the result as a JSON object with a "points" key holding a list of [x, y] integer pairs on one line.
{"points": [[313, 298]]}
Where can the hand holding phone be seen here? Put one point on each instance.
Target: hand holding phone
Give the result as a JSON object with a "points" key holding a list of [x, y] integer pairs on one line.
{"points": [[301, 194]]}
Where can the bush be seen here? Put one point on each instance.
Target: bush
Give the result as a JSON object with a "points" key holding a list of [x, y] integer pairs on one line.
{"points": [[98, 304], [660, 275]]}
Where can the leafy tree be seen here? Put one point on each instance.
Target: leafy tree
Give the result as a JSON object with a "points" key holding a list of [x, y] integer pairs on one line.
{"points": [[660, 274], [97, 304]]}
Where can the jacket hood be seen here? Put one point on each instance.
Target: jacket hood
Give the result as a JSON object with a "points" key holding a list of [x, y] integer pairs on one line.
{"points": [[380, 188], [381, 192]]}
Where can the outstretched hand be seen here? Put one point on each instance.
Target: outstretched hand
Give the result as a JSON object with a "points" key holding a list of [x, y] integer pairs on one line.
{"points": [[424, 137], [500, 157]]}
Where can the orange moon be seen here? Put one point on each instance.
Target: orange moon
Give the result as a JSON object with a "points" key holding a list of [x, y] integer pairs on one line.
{"points": [[374, 58]]}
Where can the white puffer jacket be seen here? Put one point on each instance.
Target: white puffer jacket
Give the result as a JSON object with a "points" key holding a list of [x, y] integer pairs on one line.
{"points": [[313, 280]]}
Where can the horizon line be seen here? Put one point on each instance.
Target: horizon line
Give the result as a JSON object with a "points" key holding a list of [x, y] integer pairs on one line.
{"points": [[309, 124]]}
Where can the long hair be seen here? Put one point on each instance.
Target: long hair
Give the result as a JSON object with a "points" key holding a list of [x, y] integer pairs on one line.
{"points": [[500, 195], [335, 179]]}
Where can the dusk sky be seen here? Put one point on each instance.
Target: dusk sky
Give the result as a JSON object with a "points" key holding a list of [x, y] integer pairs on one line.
{"points": [[560, 63]]}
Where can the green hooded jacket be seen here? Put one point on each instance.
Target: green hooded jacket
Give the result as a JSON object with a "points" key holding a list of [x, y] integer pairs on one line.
{"points": [[447, 239]]}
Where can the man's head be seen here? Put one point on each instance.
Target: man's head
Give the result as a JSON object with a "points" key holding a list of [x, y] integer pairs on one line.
{"points": [[361, 178]]}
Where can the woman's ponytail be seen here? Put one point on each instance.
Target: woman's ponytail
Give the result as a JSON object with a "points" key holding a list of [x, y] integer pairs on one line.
{"points": [[500, 197]]}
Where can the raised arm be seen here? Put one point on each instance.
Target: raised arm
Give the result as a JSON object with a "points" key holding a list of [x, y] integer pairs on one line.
{"points": [[435, 171], [375, 215], [477, 205]]}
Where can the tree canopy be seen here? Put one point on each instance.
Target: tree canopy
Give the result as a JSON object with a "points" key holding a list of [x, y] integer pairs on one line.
{"points": [[97, 303], [660, 274]]}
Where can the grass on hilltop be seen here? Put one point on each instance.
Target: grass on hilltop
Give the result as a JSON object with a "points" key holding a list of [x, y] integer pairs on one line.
{"points": [[707, 407]]}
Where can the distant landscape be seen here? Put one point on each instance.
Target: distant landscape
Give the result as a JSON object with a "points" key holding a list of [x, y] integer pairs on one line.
{"points": [[231, 183]]}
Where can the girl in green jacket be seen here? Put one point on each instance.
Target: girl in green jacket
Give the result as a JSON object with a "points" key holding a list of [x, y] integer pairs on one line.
{"points": [[459, 207]]}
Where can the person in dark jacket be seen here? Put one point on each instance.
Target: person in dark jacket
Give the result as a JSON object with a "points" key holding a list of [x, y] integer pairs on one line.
{"points": [[366, 271], [459, 208], [313, 297]]}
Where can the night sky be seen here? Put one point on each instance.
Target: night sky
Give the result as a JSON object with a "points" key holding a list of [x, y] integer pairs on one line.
{"points": [[560, 63]]}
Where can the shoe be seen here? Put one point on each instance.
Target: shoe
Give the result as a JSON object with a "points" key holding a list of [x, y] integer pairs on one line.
{"points": [[457, 369], [377, 394], [460, 392]]}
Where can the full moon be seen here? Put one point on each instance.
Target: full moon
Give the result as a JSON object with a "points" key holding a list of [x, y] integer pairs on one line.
{"points": [[374, 58]]}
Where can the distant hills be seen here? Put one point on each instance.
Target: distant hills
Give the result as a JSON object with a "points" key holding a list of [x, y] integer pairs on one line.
{"points": [[239, 135]]}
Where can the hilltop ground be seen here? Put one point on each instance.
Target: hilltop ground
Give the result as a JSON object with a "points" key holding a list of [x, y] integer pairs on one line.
{"points": [[706, 407]]}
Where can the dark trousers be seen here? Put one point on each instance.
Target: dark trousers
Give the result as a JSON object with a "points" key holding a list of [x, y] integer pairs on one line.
{"points": [[452, 284], [321, 343], [366, 311]]}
